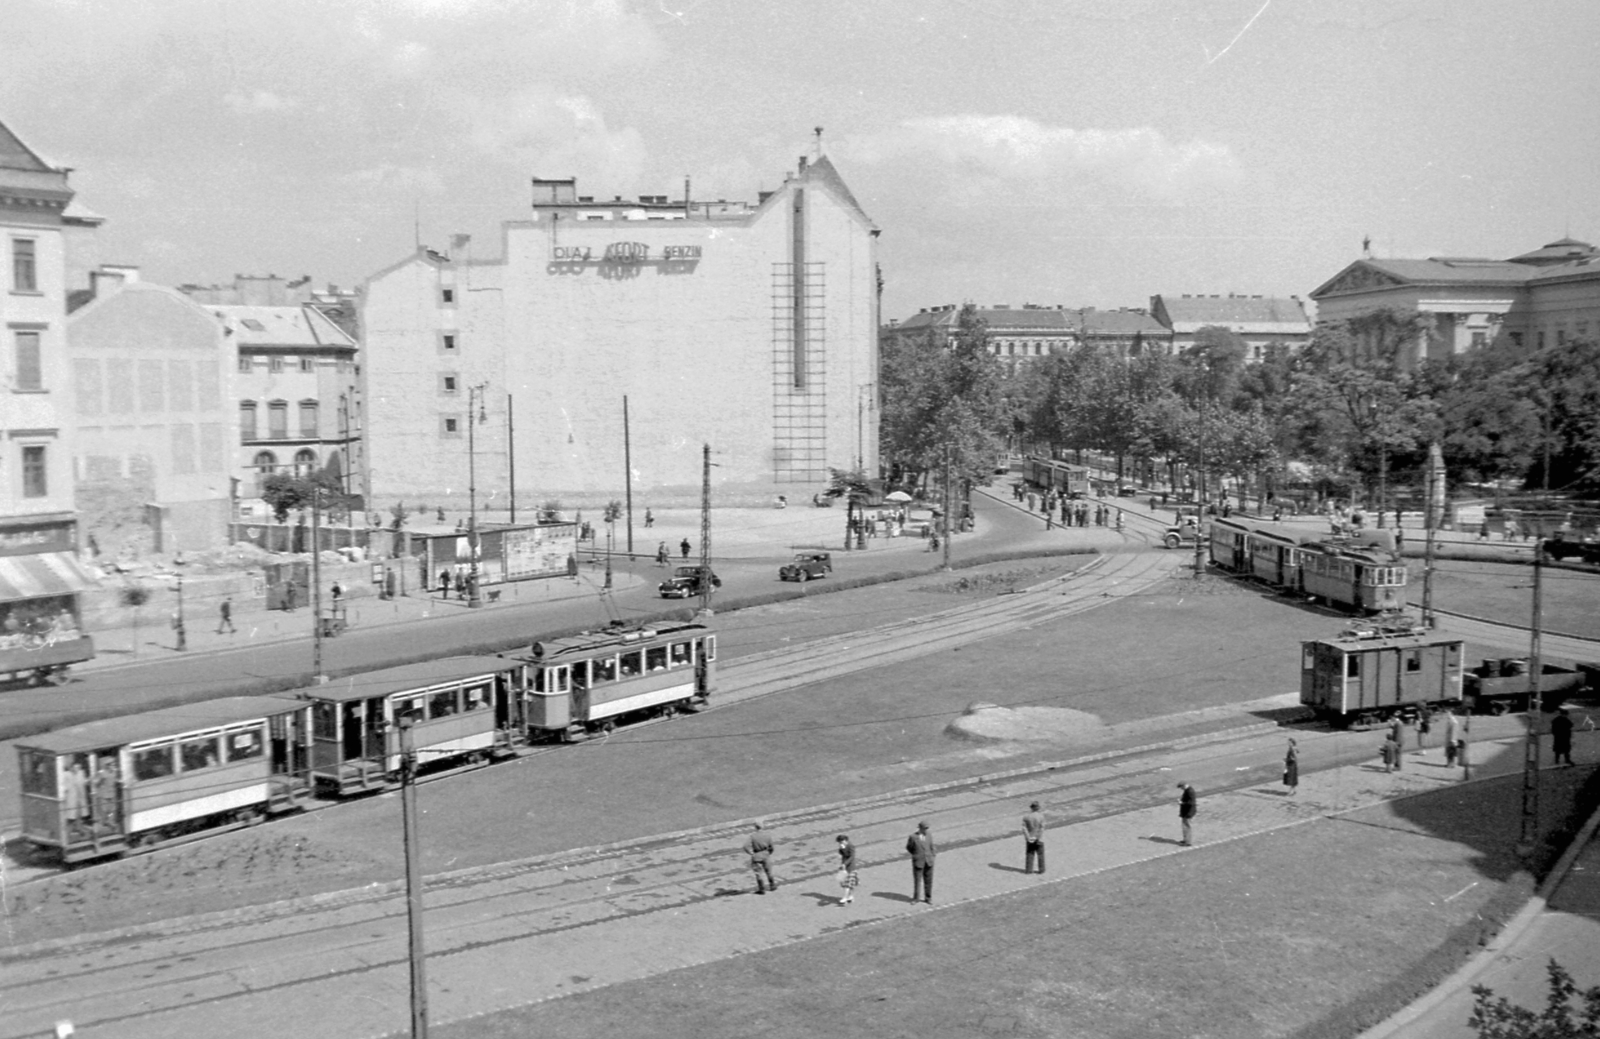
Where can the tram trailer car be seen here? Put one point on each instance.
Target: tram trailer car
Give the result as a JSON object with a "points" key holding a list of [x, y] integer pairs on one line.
{"points": [[1363, 572], [105, 788], [1359, 682], [460, 708], [1503, 685], [1051, 475], [587, 683]]}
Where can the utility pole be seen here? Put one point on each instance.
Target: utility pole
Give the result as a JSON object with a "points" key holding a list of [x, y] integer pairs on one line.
{"points": [[945, 519], [705, 532], [511, 455], [1530, 757], [1431, 521], [474, 408], [182, 632], [316, 585], [408, 815], [627, 466]]}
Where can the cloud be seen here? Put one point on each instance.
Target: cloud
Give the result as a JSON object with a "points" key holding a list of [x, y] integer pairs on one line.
{"points": [[995, 150], [553, 135], [422, 180], [258, 101]]}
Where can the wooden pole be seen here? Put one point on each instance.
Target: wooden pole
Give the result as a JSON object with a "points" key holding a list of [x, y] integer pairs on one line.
{"points": [[627, 466], [511, 455]]}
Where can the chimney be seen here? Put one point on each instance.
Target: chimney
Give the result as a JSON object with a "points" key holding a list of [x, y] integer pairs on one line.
{"points": [[802, 164]]}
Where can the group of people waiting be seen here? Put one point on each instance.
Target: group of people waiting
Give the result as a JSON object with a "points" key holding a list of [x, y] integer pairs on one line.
{"points": [[1074, 513]]}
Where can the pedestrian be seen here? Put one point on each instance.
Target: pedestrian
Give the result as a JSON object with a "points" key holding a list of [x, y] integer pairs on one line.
{"points": [[1033, 838], [225, 616], [684, 546], [649, 519], [1066, 512], [1424, 726], [1483, 531], [94, 547], [1291, 768], [663, 557], [444, 583], [1391, 753], [288, 597], [1188, 807], [848, 877], [1030, 501], [1399, 539], [759, 847], [1277, 514], [1397, 734], [1119, 519], [338, 593], [1561, 737], [922, 850]]}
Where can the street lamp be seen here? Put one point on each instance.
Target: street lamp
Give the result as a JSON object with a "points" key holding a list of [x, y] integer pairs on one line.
{"points": [[177, 623], [476, 413]]}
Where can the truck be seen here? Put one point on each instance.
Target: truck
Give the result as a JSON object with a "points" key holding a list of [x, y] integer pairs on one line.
{"points": [[1184, 532], [1502, 685]]}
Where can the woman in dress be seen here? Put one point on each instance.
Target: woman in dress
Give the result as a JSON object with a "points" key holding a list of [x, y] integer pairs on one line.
{"points": [[1291, 769], [848, 879]]}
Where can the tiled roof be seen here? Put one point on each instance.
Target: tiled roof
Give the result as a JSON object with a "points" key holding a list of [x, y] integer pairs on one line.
{"points": [[999, 319], [1120, 323], [1240, 313], [1456, 269], [302, 326]]}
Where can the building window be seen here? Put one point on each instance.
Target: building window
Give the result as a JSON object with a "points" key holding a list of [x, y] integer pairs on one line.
{"points": [[1561, 337], [266, 463], [447, 342], [24, 270], [247, 420], [1516, 338], [308, 418], [34, 483], [30, 376], [308, 364], [305, 462], [448, 384], [447, 295], [1541, 339], [278, 420], [450, 426], [245, 364], [1480, 340], [274, 363]]}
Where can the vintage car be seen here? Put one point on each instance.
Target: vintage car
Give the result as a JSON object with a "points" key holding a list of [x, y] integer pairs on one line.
{"points": [[685, 582], [1185, 532], [806, 565]]}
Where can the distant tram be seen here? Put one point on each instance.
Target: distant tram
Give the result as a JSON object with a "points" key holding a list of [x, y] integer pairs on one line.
{"points": [[1362, 572], [1060, 477]]}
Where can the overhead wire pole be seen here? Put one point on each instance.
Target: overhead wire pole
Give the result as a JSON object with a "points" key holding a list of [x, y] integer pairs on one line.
{"points": [[408, 815], [1529, 842], [705, 532], [627, 466], [945, 519], [511, 456], [317, 675], [1431, 514]]}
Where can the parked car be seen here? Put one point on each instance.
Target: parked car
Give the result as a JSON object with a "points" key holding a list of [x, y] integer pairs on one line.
{"points": [[685, 582], [807, 565]]}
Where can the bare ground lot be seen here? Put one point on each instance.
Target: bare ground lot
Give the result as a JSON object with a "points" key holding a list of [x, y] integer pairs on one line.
{"points": [[1504, 592], [1311, 932]]}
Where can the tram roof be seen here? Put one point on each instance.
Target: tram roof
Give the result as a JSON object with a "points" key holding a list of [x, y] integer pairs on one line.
{"points": [[1357, 643], [619, 637], [169, 721], [407, 676]]}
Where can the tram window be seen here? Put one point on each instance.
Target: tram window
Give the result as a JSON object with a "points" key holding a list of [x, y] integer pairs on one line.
{"points": [[477, 697], [38, 773], [538, 679], [560, 679], [632, 664], [711, 647], [153, 762], [1452, 654], [242, 746], [1308, 658], [410, 707], [198, 754], [655, 658], [680, 654], [604, 670], [1413, 661], [324, 720], [443, 705], [580, 675], [1352, 666]]}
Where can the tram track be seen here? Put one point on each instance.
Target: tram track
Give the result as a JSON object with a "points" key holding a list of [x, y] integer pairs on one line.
{"points": [[128, 982]]}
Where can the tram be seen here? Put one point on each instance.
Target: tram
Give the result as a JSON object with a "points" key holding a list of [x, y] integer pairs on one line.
{"points": [[108, 787], [1362, 571], [590, 682], [1061, 477]]}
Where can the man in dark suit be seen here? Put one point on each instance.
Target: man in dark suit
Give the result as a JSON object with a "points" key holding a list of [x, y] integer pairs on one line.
{"points": [[921, 849], [1188, 805]]}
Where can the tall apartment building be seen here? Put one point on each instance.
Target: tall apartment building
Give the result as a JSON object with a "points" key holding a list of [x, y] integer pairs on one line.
{"points": [[750, 326]]}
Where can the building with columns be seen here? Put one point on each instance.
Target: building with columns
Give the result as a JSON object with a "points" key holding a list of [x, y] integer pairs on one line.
{"points": [[747, 325], [1540, 298]]}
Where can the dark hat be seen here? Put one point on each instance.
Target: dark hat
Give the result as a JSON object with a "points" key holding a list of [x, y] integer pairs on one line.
{"points": [[1034, 806], [923, 825]]}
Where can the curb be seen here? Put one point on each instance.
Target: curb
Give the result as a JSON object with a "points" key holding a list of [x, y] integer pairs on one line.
{"points": [[1462, 978]]}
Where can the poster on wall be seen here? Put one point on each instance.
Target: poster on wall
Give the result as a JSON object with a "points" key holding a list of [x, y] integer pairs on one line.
{"points": [[538, 551]]}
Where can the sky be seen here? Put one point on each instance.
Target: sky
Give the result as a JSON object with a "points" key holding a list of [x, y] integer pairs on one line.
{"points": [[1075, 152]]}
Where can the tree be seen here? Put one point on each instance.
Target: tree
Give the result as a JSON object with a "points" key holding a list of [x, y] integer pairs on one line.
{"points": [[284, 493], [1497, 1018]]}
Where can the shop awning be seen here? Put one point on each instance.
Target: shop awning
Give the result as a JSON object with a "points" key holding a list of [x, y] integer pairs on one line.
{"points": [[48, 573]]}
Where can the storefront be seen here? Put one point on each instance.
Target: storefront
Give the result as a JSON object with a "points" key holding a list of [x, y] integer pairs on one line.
{"points": [[41, 630]]}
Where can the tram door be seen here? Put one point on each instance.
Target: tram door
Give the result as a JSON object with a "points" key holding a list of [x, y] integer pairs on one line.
{"points": [[363, 728]]}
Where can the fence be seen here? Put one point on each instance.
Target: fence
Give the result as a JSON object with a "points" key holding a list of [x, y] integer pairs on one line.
{"points": [[285, 537]]}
